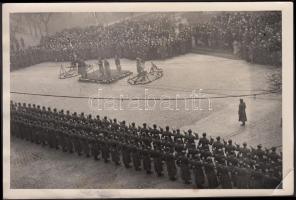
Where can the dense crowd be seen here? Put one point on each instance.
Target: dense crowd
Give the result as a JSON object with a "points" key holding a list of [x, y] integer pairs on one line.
{"points": [[148, 38], [209, 163], [255, 37]]}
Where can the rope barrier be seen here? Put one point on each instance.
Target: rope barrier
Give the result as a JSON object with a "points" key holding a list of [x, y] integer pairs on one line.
{"points": [[143, 99]]}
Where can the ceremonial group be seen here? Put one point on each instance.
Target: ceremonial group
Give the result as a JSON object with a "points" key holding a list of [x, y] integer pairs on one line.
{"points": [[191, 157], [255, 37]]}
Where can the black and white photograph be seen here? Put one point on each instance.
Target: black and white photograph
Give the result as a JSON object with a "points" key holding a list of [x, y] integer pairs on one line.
{"points": [[107, 97]]}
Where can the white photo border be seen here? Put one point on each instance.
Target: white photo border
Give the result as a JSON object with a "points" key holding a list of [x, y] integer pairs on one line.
{"points": [[287, 97]]}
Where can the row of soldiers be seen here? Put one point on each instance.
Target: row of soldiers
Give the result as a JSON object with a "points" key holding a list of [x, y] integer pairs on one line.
{"points": [[209, 163]]}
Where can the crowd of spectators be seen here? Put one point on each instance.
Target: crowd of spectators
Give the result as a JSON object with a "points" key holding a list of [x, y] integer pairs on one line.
{"points": [[255, 37]]}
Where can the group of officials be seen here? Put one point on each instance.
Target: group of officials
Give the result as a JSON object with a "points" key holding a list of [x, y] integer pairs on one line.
{"points": [[193, 158], [104, 67]]}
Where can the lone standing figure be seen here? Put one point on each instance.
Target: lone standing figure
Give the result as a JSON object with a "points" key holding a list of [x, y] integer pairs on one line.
{"points": [[242, 117]]}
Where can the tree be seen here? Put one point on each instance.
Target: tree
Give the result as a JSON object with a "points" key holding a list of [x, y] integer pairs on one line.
{"points": [[45, 18]]}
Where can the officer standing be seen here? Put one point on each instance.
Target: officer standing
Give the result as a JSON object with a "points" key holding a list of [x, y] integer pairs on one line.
{"points": [[117, 63], [242, 116]]}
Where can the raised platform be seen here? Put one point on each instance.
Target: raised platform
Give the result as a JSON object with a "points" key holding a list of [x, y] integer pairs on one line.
{"points": [[96, 77]]}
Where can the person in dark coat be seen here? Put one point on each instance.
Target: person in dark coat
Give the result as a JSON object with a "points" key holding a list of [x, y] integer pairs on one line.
{"points": [[171, 166], [136, 157], [158, 162], [196, 165], [126, 155], [106, 150], [117, 63], [101, 67], [69, 138], [185, 170], [115, 152], [242, 116], [211, 173], [147, 160], [224, 176], [243, 175], [95, 146], [107, 69], [257, 179], [82, 68]]}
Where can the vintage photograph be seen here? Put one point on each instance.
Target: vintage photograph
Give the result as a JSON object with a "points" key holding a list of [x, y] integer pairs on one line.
{"points": [[134, 99]]}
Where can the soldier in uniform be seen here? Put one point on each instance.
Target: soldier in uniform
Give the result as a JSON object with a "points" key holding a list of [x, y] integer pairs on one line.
{"points": [[196, 165], [259, 152], [224, 175], [242, 176], [95, 144], [105, 149], [62, 138], [167, 135], [158, 162], [244, 151], [69, 140], [136, 157], [178, 137], [211, 173], [171, 166], [115, 152], [273, 156], [257, 177], [203, 142], [77, 142], [86, 143], [185, 170], [229, 148], [126, 155], [217, 145], [146, 154]]}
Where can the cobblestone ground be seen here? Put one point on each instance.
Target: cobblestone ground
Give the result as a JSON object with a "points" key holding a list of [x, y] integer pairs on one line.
{"points": [[35, 167]]}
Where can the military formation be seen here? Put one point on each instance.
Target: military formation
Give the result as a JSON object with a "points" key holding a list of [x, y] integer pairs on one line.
{"points": [[193, 159]]}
